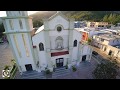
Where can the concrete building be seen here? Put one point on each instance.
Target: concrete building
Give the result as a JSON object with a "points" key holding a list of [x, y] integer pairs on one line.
{"points": [[97, 25], [90, 31], [53, 45], [80, 24], [109, 43]]}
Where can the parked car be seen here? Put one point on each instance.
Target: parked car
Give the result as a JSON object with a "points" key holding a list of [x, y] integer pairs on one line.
{"points": [[94, 53]]}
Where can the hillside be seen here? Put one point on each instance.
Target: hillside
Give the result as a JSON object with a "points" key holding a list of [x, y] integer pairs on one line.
{"points": [[78, 15], [82, 15]]}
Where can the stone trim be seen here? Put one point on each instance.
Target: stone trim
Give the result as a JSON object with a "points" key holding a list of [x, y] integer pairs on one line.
{"points": [[15, 32], [16, 17]]}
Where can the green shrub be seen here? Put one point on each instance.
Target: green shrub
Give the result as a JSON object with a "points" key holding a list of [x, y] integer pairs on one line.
{"points": [[66, 66], [47, 71], [6, 67], [74, 68]]}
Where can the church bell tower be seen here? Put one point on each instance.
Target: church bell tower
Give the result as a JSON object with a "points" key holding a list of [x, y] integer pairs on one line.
{"points": [[18, 26]]}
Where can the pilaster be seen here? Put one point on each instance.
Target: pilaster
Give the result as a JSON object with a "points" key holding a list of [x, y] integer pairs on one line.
{"points": [[71, 27], [47, 43]]}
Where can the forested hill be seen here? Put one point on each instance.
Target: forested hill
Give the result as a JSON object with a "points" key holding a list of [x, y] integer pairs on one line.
{"points": [[108, 16]]}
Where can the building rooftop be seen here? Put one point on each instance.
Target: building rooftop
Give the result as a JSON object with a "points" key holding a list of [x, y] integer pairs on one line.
{"points": [[117, 46], [40, 29], [108, 36]]}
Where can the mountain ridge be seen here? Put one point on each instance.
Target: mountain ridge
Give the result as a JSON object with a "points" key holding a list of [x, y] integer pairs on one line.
{"points": [[78, 15]]}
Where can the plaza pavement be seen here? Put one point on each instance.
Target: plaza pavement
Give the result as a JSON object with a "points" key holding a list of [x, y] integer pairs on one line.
{"points": [[84, 71], [5, 56]]}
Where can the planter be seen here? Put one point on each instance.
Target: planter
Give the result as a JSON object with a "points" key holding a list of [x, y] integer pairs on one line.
{"points": [[48, 74], [66, 67], [74, 68]]}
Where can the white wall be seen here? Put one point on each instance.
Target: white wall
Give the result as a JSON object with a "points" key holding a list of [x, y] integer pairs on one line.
{"points": [[24, 59], [58, 20], [86, 50], [76, 36], [16, 25], [55, 34], [42, 54], [114, 51]]}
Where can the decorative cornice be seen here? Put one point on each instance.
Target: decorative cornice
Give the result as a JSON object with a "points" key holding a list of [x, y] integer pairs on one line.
{"points": [[16, 17], [16, 32]]}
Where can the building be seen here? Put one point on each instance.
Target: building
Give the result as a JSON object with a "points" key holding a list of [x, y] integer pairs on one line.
{"points": [[80, 24], [89, 32], [53, 45], [97, 25], [109, 43]]}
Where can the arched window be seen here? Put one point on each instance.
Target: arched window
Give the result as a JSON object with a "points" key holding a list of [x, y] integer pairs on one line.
{"points": [[41, 47], [75, 43], [59, 43], [20, 23]]}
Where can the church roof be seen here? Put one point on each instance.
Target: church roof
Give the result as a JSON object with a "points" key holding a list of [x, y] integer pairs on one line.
{"points": [[56, 14], [40, 29]]}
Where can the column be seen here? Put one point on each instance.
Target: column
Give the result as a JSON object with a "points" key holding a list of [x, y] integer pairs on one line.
{"points": [[47, 43], [71, 27]]}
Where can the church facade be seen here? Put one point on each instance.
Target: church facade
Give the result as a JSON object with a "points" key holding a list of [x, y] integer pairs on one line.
{"points": [[53, 45]]}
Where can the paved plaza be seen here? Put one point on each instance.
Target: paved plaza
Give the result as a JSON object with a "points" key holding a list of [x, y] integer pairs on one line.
{"points": [[5, 56], [84, 71]]}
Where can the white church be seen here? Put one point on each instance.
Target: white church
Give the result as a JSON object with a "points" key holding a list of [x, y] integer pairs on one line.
{"points": [[53, 45]]}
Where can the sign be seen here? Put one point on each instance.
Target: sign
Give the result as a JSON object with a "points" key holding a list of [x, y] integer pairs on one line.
{"points": [[5, 73]]}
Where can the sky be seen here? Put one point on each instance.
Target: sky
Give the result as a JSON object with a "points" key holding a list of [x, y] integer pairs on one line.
{"points": [[3, 13]]}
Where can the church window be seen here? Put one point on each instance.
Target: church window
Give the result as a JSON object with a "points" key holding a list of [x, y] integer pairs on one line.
{"points": [[17, 47], [59, 28], [20, 23], [59, 43], [75, 43], [11, 24], [27, 52], [41, 47], [19, 12]]}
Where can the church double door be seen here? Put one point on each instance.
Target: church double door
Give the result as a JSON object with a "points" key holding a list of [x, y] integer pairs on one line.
{"points": [[59, 62]]}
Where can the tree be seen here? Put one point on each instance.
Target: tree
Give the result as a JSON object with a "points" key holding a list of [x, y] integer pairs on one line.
{"points": [[2, 29], [105, 18], [106, 71], [37, 23], [89, 40]]}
